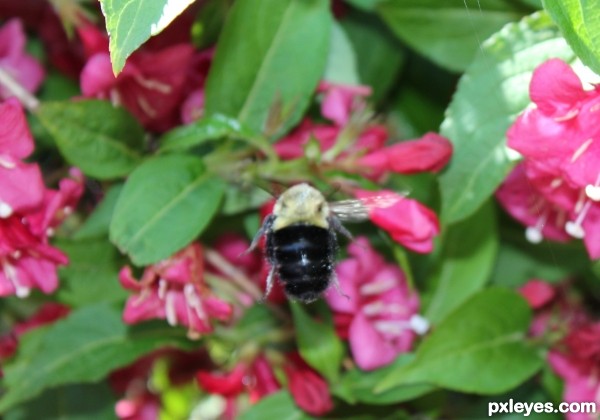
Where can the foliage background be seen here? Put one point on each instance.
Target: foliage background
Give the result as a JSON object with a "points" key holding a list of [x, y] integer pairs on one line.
{"points": [[458, 68]]}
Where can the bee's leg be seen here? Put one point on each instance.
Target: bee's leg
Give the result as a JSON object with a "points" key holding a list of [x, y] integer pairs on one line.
{"points": [[270, 279], [338, 227], [266, 226], [336, 284]]}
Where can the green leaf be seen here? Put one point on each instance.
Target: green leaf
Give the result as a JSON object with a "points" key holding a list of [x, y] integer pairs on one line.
{"points": [[490, 95], [579, 21], [97, 224], [211, 127], [82, 348], [467, 258], [519, 262], [165, 204], [103, 141], [279, 405], [480, 348], [266, 79], [130, 23], [448, 33], [318, 343], [73, 402], [381, 56], [341, 62], [92, 273], [357, 386], [367, 5]]}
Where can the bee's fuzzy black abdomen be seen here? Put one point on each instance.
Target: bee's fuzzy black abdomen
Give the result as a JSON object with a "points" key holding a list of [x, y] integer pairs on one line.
{"points": [[303, 256]]}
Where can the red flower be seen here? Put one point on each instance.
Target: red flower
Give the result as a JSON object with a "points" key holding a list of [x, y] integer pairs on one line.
{"points": [[228, 385], [150, 86], [429, 153], [309, 390], [28, 211], [292, 146], [174, 289], [257, 378], [407, 221]]}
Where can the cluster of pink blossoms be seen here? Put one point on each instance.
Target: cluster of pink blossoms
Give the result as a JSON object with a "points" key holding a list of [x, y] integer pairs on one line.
{"points": [[555, 191], [29, 211], [175, 290], [575, 355], [378, 308]]}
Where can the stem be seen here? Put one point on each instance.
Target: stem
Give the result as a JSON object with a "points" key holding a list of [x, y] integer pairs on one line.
{"points": [[29, 101]]}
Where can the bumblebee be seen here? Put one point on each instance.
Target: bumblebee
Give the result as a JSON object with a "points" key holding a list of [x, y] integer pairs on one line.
{"points": [[301, 242]]}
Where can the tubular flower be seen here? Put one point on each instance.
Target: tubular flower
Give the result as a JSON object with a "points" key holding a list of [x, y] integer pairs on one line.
{"points": [[309, 390], [428, 153], [380, 309], [28, 211], [150, 86], [22, 67], [556, 191], [408, 222], [174, 289]]}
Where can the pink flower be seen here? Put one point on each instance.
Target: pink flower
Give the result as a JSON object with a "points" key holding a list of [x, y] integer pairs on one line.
{"points": [[557, 309], [150, 86], [22, 188], [28, 211], [22, 67], [407, 221], [556, 192], [578, 363], [429, 153], [174, 289], [538, 293], [309, 390], [339, 101], [523, 202], [292, 146], [379, 310]]}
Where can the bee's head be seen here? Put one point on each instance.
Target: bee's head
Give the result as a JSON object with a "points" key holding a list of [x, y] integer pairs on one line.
{"points": [[301, 204]]}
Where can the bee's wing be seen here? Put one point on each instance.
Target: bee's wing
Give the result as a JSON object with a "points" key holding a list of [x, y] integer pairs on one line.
{"points": [[358, 209]]}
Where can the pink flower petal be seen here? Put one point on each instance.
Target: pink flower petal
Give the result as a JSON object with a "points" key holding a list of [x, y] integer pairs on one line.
{"points": [[15, 137], [556, 89], [537, 293], [338, 101], [97, 78], [591, 226], [13, 58], [22, 187], [369, 349], [407, 221]]}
